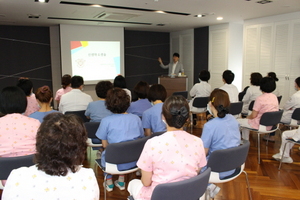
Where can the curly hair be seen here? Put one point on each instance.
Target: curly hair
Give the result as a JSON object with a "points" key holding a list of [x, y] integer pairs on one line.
{"points": [[102, 87], [176, 111], [117, 100], [60, 144], [141, 89], [44, 94], [267, 84]]}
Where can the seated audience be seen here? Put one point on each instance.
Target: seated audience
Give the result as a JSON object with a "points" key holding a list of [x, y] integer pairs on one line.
{"points": [[121, 83], [267, 102], [75, 100], [273, 75], [58, 173], [221, 132], [151, 119], [32, 105], [44, 97], [66, 87], [202, 89], [232, 91], [97, 110], [118, 127], [252, 92], [17, 132], [173, 156], [290, 134], [291, 104], [138, 107]]}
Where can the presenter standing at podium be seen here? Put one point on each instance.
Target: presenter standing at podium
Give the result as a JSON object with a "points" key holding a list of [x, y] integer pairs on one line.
{"points": [[174, 67]]}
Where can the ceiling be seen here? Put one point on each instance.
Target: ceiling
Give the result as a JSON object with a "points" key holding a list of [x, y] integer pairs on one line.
{"points": [[139, 14]]}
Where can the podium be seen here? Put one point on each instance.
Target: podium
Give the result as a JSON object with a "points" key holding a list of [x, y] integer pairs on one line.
{"points": [[176, 84]]}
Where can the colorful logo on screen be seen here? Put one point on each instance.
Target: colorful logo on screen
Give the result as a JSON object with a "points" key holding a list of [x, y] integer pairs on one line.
{"points": [[77, 45]]}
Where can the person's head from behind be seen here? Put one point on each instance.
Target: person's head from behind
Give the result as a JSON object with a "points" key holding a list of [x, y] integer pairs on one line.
{"points": [[12, 100], [26, 85], [297, 83], [175, 57], [204, 75], [102, 87], [228, 76], [267, 84], [255, 78], [176, 111], [44, 94], [273, 75], [66, 81], [141, 89], [117, 100], [120, 82], [220, 101], [77, 82], [60, 144], [157, 92]]}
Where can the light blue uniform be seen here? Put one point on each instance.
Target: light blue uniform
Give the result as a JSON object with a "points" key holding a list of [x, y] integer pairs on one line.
{"points": [[97, 110], [120, 128], [221, 133], [40, 115], [139, 106], [152, 119]]}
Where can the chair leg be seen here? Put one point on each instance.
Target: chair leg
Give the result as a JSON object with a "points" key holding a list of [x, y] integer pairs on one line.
{"points": [[248, 185], [191, 117], [105, 185], [258, 148], [268, 139], [282, 156]]}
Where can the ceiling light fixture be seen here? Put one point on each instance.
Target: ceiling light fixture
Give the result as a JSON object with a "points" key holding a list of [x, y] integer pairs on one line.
{"points": [[200, 15], [42, 1], [219, 18]]}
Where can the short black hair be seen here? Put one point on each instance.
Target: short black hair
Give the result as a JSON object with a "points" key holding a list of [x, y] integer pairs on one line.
{"points": [[65, 80], [12, 100], [228, 76], [297, 81], [204, 75], [273, 75], [141, 89], [267, 84], [176, 54], [120, 82], [255, 78], [102, 87], [76, 81], [157, 92], [26, 85]]}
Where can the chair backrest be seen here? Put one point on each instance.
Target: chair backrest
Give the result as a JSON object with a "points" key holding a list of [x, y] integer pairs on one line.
{"points": [[91, 128], [251, 105], [279, 99], [296, 115], [125, 152], [80, 113], [236, 108], [200, 102], [191, 189], [271, 118], [7, 164], [157, 134], [182, 93], [228, 159]]}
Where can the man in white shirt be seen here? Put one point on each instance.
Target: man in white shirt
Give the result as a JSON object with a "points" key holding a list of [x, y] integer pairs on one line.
{"points": [[174, 67], [232, 91], [75, 100]]}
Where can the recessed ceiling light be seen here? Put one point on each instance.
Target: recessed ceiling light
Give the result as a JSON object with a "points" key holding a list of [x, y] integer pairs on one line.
{"points": [[96, 5], [160, 11], [200, 15], [219, 18], [42, 1]]}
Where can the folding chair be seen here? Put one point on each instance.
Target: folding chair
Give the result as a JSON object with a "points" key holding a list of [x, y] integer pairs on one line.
{"points": [[288, 141], [199, 102], [236, 108], [119, 153], [91, 128], [7, 164], [294, 119], [229, 159], [267, 119]]}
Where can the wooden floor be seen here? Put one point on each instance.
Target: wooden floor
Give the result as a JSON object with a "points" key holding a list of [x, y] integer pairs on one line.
{"points": [[266, 182]]}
